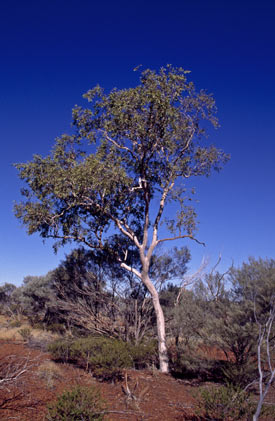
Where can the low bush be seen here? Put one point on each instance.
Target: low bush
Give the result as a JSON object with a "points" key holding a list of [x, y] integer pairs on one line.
{"points": [[186, 362], [224, 403], [105, 357], [60, 350], [80, 403], [240, 375], [25, 332], [144, 355]]}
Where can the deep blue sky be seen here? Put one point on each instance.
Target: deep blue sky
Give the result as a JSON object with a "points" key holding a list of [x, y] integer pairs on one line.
{"points": [[53, 51]]}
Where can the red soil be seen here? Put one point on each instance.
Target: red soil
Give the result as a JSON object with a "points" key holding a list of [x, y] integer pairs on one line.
{"points": [[164, 398]]}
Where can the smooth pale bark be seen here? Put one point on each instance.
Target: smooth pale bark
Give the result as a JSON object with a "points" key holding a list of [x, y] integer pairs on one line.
{"points": [[163, 354]]}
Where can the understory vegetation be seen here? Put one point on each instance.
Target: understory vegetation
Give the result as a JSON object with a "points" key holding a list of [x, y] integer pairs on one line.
{"points": [[112, 328]]}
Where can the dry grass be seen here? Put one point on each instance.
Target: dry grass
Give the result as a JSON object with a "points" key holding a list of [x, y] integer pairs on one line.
{"points": [[10, 330], [49, 372]]}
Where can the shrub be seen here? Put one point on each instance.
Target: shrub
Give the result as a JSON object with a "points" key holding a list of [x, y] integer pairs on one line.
{"points": [[61, 350], [144, 354], [104, 356], [108, 357], [25, 332], [224, 403], [79, 404], [185, 361], [240, 375]]}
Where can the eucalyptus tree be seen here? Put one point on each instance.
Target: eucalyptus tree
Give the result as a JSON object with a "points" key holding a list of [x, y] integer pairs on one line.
{"points": [[129, 157]]}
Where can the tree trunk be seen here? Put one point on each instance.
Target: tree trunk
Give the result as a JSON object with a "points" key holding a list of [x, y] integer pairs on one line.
{"points": [[163, 354]]}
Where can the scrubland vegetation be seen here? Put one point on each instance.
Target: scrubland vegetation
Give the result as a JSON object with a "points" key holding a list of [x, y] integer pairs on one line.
{"points": [[214, 330]]}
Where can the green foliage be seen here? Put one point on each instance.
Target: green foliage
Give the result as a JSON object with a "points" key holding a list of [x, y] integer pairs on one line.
{"points": [[253, 285], [153, 132], [79, 404], [6, 302], [224, 403], [186, 314], [240, 375], [187, 362], [60, 350], [169, 266], [233, 330], [105, 357], [34, 297], [144, 354]]}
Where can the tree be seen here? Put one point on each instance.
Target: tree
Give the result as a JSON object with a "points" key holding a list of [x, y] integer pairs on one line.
{"points": [[129, 157], [254, 282], [33, 298], [6, 292], [81, 297]]}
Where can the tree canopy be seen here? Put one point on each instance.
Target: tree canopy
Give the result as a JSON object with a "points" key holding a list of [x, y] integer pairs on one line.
{"points": [[146, 138]]}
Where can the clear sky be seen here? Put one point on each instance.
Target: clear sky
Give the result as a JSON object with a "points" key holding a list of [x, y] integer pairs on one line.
{"points": [[53, 51]]}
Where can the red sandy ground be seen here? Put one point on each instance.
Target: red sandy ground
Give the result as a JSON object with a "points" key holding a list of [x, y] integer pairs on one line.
{"points": [[165, 399]]}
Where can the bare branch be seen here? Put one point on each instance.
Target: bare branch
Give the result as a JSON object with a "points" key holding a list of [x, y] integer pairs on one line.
{"points": [[264, 337], [13, 368], [191, 279], [131, 269], [178, 237]]}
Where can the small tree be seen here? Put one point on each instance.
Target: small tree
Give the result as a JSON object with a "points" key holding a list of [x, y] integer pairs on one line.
{"points": [[6, 292], [254, 283], [35, 296], [81, 299], [143, 144]]}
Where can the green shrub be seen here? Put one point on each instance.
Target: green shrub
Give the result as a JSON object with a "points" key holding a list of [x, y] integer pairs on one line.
{"points": [[105, 357], [186, 362], [144, 354], [240, 374], [108, 357], [78, 404], [61, 350], [224, 403]]}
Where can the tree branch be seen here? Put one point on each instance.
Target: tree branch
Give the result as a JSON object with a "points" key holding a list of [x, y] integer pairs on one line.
{"points": [[130, 269], [178, 237]]}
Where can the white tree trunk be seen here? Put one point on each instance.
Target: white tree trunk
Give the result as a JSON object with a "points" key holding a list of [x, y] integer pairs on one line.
{"points": [[163, 354]]}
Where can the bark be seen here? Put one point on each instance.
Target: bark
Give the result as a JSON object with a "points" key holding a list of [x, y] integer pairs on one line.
{"points": [[162, 348], [144, 277]]}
